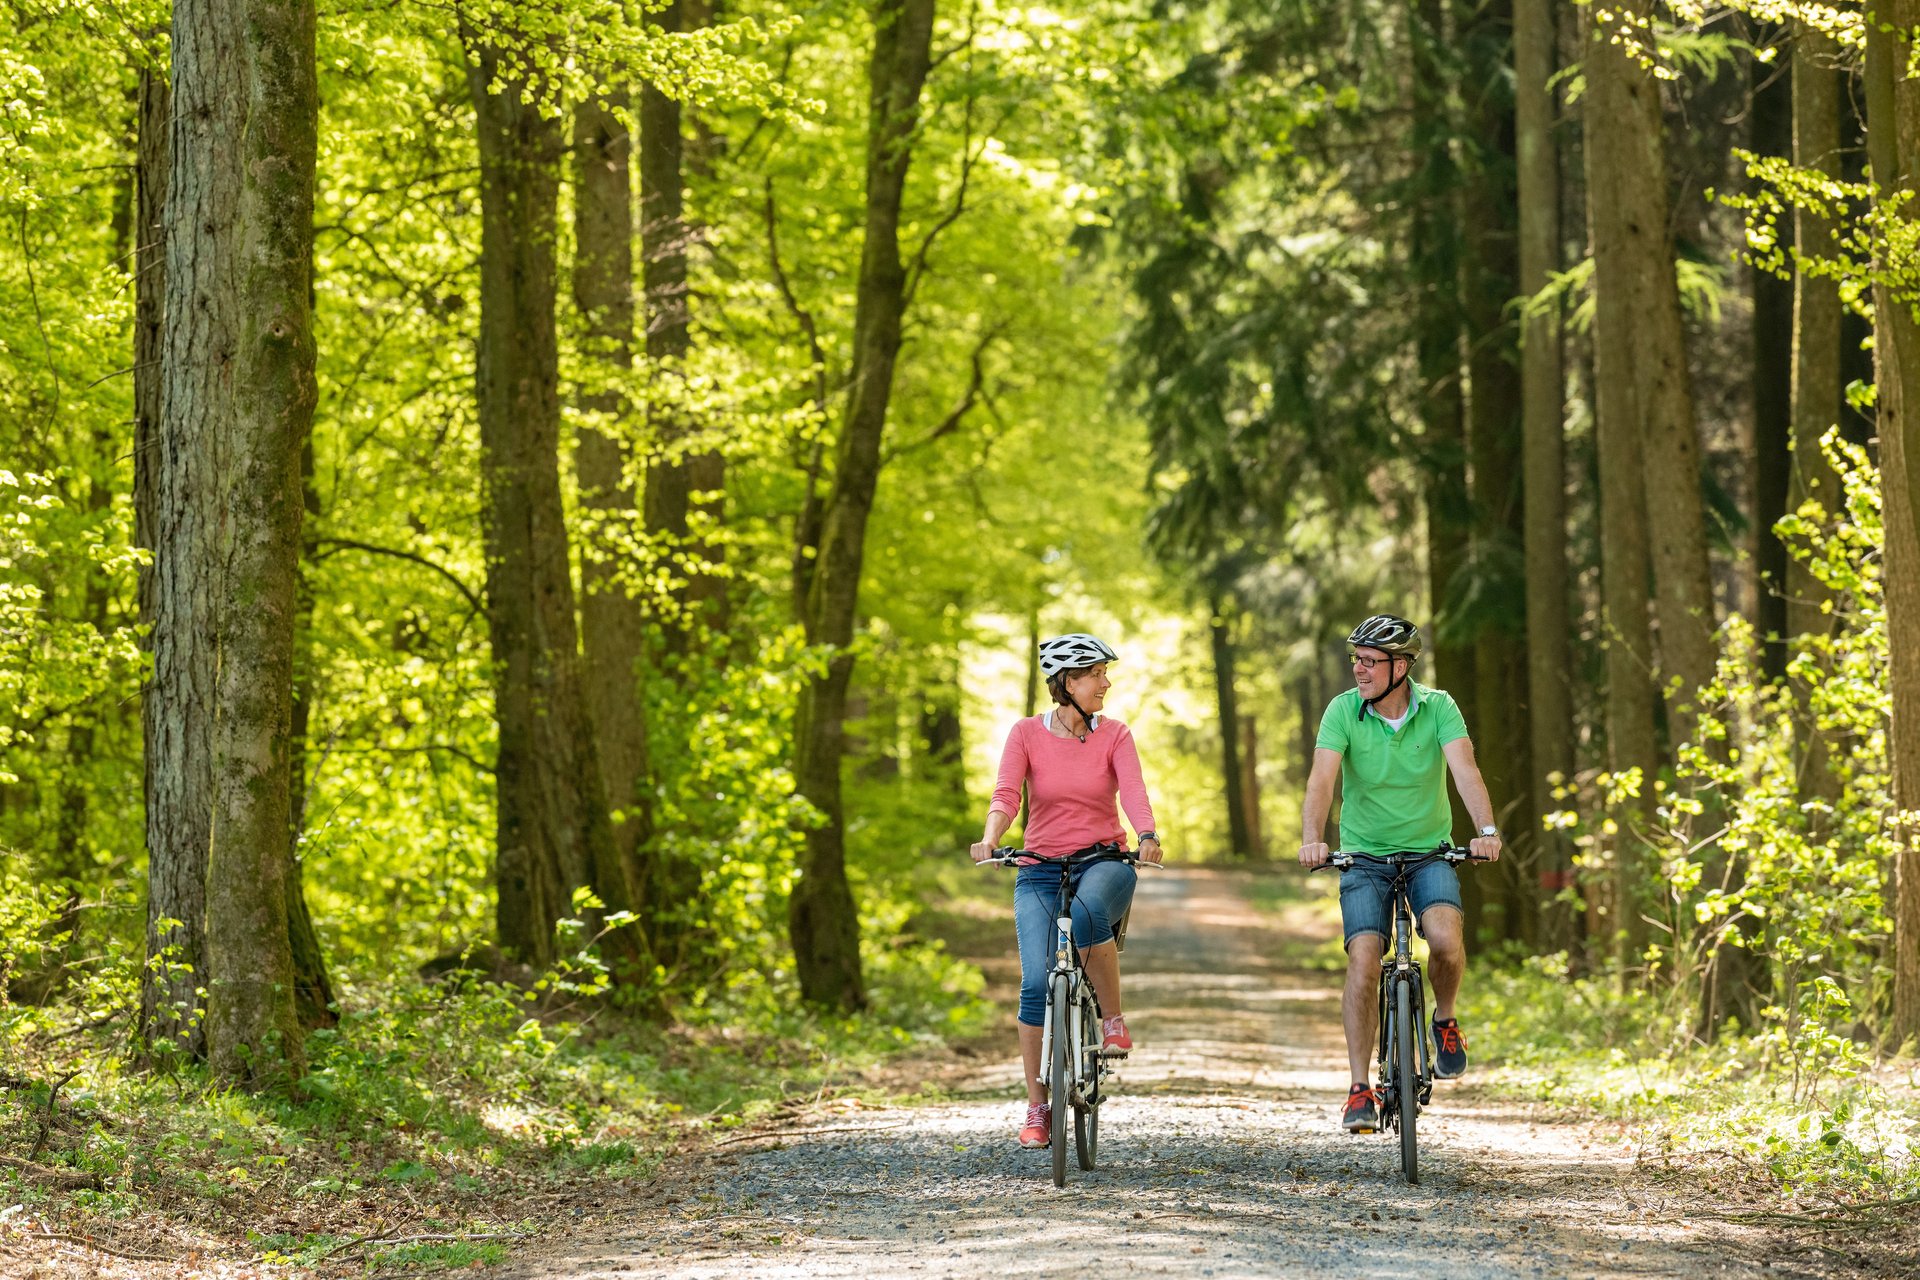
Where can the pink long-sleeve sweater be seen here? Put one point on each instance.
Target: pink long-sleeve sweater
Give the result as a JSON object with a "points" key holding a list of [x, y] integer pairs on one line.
{"points": [[1071, 785]]}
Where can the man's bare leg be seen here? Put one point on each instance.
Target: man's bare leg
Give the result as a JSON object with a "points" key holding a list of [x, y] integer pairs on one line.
{"points": [[1446, 955], [1359, 1003]]}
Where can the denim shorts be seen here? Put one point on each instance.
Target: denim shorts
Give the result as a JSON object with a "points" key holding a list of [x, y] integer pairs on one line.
{"points": [[1365, 906], [1102, 892]]}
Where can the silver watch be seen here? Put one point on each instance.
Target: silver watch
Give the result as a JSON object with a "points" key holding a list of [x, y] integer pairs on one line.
{"points": [[1489, 830]]}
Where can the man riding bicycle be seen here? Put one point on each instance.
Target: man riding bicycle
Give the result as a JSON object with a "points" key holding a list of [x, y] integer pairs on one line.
{"points": [[1386, 739]]}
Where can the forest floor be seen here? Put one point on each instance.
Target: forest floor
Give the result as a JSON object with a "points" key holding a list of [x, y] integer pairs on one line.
{"points": [[1220, 1155]]}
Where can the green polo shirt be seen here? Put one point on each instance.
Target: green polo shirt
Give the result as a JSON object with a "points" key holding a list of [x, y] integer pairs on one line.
{"points": [[1393, 785]]}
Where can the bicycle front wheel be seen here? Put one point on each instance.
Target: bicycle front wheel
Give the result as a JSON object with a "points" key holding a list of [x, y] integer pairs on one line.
{"points": [[1060, 1075], [1406, 1079], [1086, 1112]]}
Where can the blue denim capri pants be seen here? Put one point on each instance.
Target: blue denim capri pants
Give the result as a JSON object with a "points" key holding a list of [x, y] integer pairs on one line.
{"points": [[1102, 892]]}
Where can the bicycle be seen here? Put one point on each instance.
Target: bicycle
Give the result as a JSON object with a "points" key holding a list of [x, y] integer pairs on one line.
{"points": [[1406, 1088], [1070, 1036]]}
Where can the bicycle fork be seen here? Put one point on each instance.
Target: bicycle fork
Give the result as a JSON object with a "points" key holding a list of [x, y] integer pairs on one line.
{"points": [[1062, 967]]}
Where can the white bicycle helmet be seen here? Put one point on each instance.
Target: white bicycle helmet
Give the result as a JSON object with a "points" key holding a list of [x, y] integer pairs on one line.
{"points": [[1073, 653]]}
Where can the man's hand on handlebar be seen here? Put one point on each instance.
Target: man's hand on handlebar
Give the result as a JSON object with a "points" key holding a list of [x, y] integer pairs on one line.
{"points": [[1485, 848], [1313, 855]]}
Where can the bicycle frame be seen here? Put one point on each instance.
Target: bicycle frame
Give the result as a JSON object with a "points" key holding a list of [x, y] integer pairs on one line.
{"points": [[1396, 968]]}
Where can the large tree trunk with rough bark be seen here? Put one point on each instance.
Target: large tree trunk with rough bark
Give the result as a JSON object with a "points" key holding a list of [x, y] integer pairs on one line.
{"points": [[1634, 277], [822, 918], [1893, 146], [312, 985], [237, 402], [554, 834], [1543, 450], [175, 762], [1623, 518]]}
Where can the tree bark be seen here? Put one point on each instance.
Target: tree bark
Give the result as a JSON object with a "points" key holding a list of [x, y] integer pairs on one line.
{"points": [[1623, 516], [553, 830], [1250, 788], [613, 615], [1219, 630], [1543, 450], [1634, 276], [237, 403], [822, 918], [1893, 126], [177, 771]]}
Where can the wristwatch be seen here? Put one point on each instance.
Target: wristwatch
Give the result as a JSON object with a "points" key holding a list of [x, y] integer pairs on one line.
{"points": [[1489, 830], [1148, 835]]}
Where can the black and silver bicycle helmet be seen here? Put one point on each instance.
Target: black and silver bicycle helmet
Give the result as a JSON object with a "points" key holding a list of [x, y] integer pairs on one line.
{"points": [[1393, 636], [1389, 634]]}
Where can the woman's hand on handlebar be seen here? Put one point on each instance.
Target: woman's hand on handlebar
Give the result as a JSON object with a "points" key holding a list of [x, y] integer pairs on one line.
{"points": [[1314, 855], [1150, 851], [981, 850]]}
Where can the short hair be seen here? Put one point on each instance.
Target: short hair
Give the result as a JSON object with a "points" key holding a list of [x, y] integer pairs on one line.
{"points": [[1057, 684]]}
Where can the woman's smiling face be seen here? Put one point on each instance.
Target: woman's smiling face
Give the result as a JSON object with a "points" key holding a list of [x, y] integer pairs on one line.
{"points": [[1089, 688]]}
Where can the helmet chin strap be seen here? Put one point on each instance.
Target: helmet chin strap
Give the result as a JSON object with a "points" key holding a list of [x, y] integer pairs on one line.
{"points": [[1086, 721], [1392, 684]]}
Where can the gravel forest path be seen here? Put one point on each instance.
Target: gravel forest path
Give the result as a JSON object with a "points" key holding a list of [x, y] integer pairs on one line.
{"points": [[1219, 1157]]}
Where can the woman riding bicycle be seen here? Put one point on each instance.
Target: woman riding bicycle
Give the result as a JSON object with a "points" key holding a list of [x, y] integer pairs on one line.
{"points": [[1073, 761]]}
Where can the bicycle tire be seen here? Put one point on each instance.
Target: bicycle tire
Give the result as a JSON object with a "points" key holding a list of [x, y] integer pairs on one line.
{"points": [[1086, 1113], [1406, 1080], [1060, 1077]]}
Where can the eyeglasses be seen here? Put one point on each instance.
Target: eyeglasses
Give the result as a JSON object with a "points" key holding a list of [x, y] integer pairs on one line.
{"points": [[1368, 664]]}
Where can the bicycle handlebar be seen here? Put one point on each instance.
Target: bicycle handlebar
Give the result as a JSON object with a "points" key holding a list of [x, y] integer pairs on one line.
{"points": [[1008, 856], [1341, 859]]}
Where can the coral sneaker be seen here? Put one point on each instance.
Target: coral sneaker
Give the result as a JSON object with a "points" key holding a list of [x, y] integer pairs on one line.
{"points": [[1362, 1112], [1450, 1058], [1037, 1132], [1114, 1040]]}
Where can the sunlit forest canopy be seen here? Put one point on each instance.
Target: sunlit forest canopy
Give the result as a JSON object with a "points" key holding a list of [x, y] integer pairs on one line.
{"points": [[561, 498]]}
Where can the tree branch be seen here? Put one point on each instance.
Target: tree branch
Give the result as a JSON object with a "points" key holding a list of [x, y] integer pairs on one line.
{"points": [[971, 397], [349, 544]]}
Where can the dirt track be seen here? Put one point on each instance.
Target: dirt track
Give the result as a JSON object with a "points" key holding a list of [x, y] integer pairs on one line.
{"points": [[1220, 1156]]}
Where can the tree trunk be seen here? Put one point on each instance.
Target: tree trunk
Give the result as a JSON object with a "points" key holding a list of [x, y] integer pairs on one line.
{"points": [[312, 985], [1634, 276], [1434, 262], [613, 615], [822, 918], [237, 403], [1817, 386], [1893, 126], [1623, 517], [554, 834], [1239, 845], [177, 771], [685, 475], [1771, 122], [1543, 449], [1250, 788], [1489, 274]]}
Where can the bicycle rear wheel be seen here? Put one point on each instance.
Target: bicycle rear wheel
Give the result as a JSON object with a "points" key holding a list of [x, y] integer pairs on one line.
{"points": [[1060, 1075], [1406, 1082], [1086, 1113]]}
